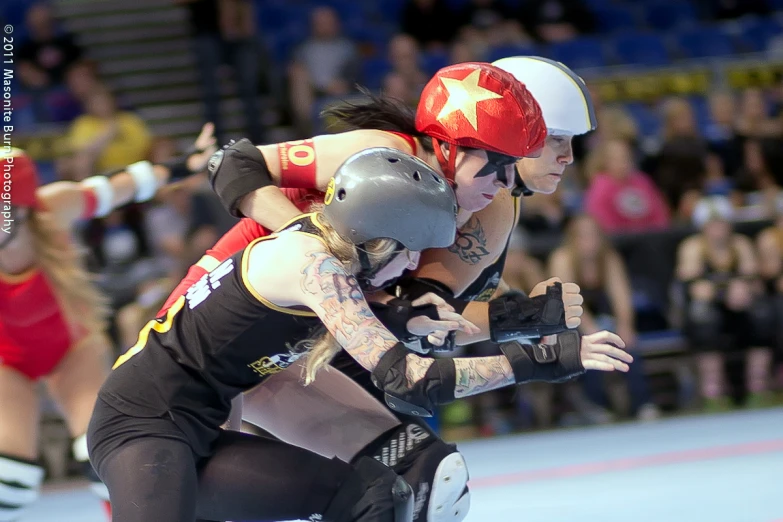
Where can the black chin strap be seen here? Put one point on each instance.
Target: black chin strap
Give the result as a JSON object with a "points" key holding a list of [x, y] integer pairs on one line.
{"points": [[520, 189], [368, 271]]}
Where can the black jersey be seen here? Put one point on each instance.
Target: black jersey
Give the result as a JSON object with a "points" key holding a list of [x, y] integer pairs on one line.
{"points": [[485, 285], [218, 340]]}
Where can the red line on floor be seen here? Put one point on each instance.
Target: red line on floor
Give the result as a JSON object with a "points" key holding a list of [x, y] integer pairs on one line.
{"points": [[593, 468]]}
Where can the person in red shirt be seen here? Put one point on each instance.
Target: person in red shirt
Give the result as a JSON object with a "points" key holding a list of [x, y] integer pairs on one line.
{"points": [[620, 197], [52, 318]]}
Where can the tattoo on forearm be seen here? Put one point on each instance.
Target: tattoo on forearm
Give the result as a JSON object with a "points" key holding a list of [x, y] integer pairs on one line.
{"points": [[343, 309], [480, 374], [471, 242]]}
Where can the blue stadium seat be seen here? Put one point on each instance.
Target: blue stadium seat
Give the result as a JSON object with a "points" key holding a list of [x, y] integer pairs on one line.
{"points": [[705, 42], [504, 51], [614, 18], [579, 53], [670, 14], [755, 33], [270, 18], [373, 71], [701, 111], [641, 49], [646, 118], [391, 8], [431, 61]]}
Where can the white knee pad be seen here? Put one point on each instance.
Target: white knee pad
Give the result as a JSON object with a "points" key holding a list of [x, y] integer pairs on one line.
{"points": [[450, 497], [82, 456], [20, 483]]}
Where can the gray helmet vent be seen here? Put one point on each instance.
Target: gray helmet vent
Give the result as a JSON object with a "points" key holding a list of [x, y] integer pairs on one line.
{"points": [[385, 193]]}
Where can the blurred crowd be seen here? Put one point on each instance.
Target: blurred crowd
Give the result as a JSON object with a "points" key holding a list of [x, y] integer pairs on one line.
{"points": [[726, 285]]}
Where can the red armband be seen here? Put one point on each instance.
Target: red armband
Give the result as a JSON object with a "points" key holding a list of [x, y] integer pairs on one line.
{"points": [[297, 164], [90, 204]]}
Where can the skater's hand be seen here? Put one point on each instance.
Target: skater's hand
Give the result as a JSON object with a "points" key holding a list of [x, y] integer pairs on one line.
{"points": [[572, 299], [205, 145], [436, 331], [604, 351]]}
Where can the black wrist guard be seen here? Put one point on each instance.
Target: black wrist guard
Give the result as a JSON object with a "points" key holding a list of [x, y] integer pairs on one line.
{"points": [[411, 288], [236, 171], [395, 316], [420, 398], [546, 362], [514, 315]]}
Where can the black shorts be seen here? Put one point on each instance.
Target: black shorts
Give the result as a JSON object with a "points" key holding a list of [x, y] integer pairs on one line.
{"points": [[110, 429]]}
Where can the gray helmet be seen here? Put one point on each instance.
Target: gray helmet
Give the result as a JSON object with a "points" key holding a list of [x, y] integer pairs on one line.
{"points": [[385, 193]]}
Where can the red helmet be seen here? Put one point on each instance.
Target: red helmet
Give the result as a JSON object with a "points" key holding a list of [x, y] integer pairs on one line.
{"points": [[480, 106], [20, 174]]}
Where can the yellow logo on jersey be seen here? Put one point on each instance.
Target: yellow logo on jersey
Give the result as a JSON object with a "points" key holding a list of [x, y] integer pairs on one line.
{"points": [[329, 192]]}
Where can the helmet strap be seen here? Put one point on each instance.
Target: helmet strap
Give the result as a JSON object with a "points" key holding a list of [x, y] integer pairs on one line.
{"points": [[520, 189], [447, 166], [368, 271]]}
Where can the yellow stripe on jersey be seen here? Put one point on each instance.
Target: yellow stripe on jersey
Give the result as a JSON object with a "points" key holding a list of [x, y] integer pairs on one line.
{"points": [[160, 327], [266, 302]]}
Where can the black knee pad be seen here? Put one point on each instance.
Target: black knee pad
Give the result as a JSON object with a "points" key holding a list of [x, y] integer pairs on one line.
{"points": [[436, 471], [372, 493]]}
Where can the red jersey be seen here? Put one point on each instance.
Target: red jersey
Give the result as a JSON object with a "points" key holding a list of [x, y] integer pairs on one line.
{"points": [[247, 230], [34, 334]]}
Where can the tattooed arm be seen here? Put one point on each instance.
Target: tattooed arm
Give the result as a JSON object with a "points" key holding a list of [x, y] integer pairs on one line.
{"points": [[334, 295], [480, 241], [474, 375], [323, 284]]}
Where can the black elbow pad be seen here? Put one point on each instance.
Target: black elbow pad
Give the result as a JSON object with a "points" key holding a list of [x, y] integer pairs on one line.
{"points": [[419, 399], [236, 171]]}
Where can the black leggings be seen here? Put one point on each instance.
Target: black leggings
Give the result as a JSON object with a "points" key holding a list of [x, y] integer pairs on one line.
{"points": [[247, 477]]}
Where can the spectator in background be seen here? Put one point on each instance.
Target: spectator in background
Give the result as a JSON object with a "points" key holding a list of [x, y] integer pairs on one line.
{"points": [[106, 138], [616, 123], [225, 29], [754, 119], [681, 170], [41, 63], [395, 86], [759, 183], [770, 252], [461, 52], [405, 61], [557, 20], [47, 50], [431, 23], [325, 65], [620, 197], [588, 259], [714, 182], [488, 23], [679, 166], [721, 131], [719, 273]]}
